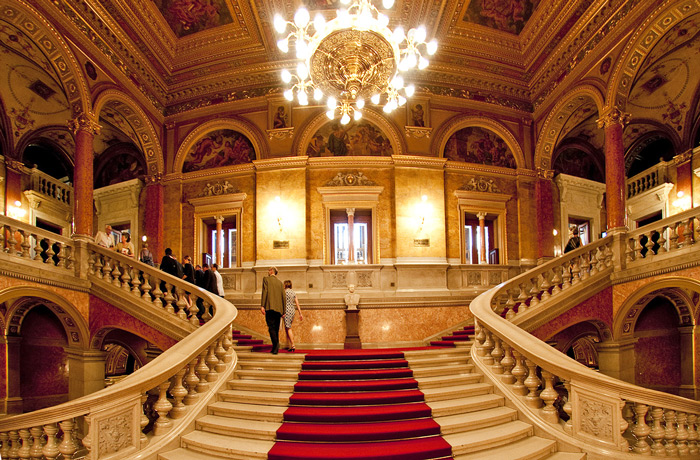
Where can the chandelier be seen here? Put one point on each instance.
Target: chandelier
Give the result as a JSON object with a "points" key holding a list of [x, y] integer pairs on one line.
{"points": [[351, 58]]}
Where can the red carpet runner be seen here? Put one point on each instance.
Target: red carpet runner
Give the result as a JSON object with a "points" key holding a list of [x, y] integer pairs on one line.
{"points": [[359, 405]]}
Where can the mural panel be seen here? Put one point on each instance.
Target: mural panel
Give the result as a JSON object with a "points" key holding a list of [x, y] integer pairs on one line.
{"points": [[223, 147], [354, 139], [575, 162], [186, 17], [505, 15], [479, 145]]}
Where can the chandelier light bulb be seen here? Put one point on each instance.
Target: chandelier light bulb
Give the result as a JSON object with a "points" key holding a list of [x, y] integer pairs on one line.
{"points": [[301, 18], [419, 34], [387, 4], [302, 71], [302, 49], [375, 99], [289, 95], [357, 115], [283, 45], [344, 18], [403, 65], [423, 63], [360, 103], [330, 114], [399, 34], [402, 101], [319, 22], [302, 98], [431, 47], [286, 76], [279, 23], [410, 90], [387, 108], [364, 20], [331, 103], [345, 119], [345, 2], [397, 82], [318, 94], [383, 20]]}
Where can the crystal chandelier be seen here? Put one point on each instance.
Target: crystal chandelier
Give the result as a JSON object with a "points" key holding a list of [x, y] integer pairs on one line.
{"points": [[351, 58]]}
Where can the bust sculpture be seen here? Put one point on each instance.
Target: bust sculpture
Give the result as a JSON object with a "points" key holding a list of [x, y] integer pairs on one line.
{"points": [[352, 298]]}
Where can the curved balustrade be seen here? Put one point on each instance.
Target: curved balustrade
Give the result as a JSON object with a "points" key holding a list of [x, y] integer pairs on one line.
{"points": [[30, 243], [577, 405], [135, 414]]}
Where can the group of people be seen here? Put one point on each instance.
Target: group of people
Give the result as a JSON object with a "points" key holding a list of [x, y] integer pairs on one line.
{"points": [[279, 301], [106, 240]]}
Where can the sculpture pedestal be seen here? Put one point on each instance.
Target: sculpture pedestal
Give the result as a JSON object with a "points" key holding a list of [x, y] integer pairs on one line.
{"points": [[352, 335]]}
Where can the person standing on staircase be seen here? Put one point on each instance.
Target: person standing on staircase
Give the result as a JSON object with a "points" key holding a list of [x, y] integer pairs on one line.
{"points": [[272, 305]]}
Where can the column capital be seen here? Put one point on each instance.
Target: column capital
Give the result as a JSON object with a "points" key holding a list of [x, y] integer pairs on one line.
{"points": [[14, 165], [547, 174], [683, 157], [350, 211], [481, 215], [84, 122], [612, 117], [219, 219], [151, 179]]}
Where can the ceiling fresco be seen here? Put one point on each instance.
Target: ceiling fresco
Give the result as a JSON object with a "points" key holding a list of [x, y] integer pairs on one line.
{"points": [[187, 17], [504, 15], [480, 146]]}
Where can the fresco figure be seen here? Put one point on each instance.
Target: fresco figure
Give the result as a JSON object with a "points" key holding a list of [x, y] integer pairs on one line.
{"points": [[219, 148], [479, 146], [363, 139]]}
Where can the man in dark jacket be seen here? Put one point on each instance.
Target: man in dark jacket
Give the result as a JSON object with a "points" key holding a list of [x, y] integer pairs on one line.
{"points": [[272, 305]]}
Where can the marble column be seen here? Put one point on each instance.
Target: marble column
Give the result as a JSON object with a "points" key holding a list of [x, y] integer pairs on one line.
{"points": [[154, 225], [687, 337], [617, 360], [482, 237], [13, 402], [684, 179], [351, 235], [615, 178], [545, 215], [84, 128], [13, 183], [219, 241], [87, 371]]}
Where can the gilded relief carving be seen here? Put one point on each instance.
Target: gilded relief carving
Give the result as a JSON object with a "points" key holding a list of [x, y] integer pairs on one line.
{"points": [[115, 433], [596, 419]]}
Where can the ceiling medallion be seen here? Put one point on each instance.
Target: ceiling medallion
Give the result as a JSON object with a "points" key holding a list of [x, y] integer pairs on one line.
{"points": [[352, 58]]}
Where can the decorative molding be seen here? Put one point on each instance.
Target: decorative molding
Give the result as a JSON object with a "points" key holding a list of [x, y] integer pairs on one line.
{"points": [[350, 179], [612, 117], [418, 132], [84, 122], [546, 174], [218, 188], [280, 134], [481, 184]]}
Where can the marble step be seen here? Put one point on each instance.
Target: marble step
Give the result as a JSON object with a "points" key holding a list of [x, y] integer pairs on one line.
{"points": [[456, 391], [286, 386], [247, 411], [483, 418], [433, 361], [488, 438], [258, 397], [286, 365], [531, 448], [467, 404], [442, 381], [261, 374], [225, 446], [434, 352], [442, 370], [254, 429]]}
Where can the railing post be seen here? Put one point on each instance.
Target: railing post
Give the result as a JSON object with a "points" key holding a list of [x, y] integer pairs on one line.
{"points": [[81, 255], [619, 250]]}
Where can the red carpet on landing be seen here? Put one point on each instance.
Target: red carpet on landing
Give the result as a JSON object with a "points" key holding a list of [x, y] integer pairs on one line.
{"points": [[358, 405]]}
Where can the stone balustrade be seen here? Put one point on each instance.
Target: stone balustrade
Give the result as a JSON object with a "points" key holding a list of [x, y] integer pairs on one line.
{"points": [[669, 235], [144, 410], [647, 179], [49, 187]]}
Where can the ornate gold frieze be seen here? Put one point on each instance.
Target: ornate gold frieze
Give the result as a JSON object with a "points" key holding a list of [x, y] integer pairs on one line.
{"points": [[481, 184], [418, 132], [218, 188], [349, 179], [280, 134]]}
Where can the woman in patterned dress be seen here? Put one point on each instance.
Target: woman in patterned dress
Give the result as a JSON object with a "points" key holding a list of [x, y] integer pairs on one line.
{"points": [[290, 302]]}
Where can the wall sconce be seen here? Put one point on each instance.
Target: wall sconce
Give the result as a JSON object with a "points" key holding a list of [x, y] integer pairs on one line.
{"points": [[278, 212], [422, 211], [16, 211], [555, 232], [682, 201], [144, 238]]}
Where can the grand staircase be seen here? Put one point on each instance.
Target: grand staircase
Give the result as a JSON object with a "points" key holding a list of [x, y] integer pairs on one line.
{"points": [[413, 404]]}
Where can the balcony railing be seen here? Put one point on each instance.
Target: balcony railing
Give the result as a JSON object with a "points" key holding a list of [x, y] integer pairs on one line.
{"points": [[51, 188], [648, 179]]}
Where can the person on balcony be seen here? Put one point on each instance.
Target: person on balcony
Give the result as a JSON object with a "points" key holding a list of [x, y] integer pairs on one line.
{"points": [[105, 238], [125, 246], [574, 242]]}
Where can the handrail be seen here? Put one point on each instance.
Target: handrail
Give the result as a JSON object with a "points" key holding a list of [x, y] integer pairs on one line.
{"points": [[182, 377], [602, 413]]}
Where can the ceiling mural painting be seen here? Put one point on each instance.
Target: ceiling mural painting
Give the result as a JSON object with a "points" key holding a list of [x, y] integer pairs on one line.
{"points": [[354, 139], [121, 162], [186, 17], [480, 146], [504, 15], [223, 147], [585, 113], [577, 162]]}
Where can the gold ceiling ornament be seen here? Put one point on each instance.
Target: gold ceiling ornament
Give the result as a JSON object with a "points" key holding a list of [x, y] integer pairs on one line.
{"points": [[352, 58]]}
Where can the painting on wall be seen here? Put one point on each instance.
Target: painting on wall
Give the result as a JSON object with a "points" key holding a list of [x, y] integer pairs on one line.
{"points": [[354, 139], [117, 164], [280, 114], [506, 15], [576, 162], [479, 145], [186, 17], [223, 147], [418, 113]]}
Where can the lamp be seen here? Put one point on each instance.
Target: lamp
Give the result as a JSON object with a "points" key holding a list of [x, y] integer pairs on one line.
{"points": [[16, 211], [278, 212], [682, 202], [351, 58]]}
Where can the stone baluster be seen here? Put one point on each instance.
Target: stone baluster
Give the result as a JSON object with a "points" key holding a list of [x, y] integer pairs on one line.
{"points": [[682, 436], [593, 262], [143, 421], [50, 449], [96, 265], [519, 372], [206, 316], [496, 355], [624, 425], [126, 278], [532, 382], [662, 241], [549, 395], [181, 304], [479, 337], [62, 255], [673, 229], [641, 430], [507, 363], [107, 270], [25, 451], [5, 448], [510, 304], [116, 274], [671, 433], [87, 439], [37, 248], [585, 265], [575, 271], [228, 345], [11, 242], [220, 353], [135, 282], [23, 244], [157, 293], [688, 236], [693, 436], [212, 361], [568, 409], [488, 347], [178, 392], [566, 275], [146, 287], [639, 247], [192, 382], [545, 285], [68, 446], [534, 292], [38, 443], [193, 312], [628, 415], [163, 424], [202, 371], [556, 280], [168, 298], [657, 432], [14, 445]]}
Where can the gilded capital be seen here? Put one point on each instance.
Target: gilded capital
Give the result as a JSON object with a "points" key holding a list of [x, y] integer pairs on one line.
{"points": [[683, 157], [14, 165], [84, 122], [614, 116], [153, 178], [547, 174]]}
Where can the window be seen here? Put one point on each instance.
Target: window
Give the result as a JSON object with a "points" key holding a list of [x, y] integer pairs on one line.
{"points": [[472, 240], [229, 231], [361, 237]]}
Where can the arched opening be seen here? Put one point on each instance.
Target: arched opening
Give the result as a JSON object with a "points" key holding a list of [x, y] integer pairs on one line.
{"points": [[125, 353]]}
